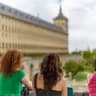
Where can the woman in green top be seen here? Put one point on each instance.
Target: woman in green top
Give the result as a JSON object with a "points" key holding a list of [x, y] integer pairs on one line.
{"points": [[12, 76]]}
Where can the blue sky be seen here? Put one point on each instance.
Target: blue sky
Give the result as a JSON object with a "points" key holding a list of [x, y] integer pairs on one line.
{"points": [[81, 15]]}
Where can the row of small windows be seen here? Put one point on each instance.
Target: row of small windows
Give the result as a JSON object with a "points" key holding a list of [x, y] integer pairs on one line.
{"points": [[9, 45], [13, 45], [20, 46], [7, 30], [12, 25]]}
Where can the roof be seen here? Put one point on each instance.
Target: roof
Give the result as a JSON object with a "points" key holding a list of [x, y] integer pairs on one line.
{"points": [[4, 9], [60, 15]]}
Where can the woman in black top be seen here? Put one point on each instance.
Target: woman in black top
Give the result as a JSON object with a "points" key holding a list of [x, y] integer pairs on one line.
{"points": [[50, 80]]}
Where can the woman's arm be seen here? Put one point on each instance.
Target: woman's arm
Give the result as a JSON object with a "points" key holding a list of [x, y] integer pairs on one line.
{"points": [[27, 82], [64, 88]]}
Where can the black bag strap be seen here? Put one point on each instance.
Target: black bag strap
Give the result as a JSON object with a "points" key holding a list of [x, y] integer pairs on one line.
{"points": [[35, 80]]}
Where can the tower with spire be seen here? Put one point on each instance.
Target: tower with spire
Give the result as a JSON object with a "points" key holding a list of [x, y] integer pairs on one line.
{"points": [[61, 20]]}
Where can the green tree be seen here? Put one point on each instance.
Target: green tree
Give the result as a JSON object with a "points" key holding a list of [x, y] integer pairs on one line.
{"points": [[89, 57], [80, 76], [73, 67]]}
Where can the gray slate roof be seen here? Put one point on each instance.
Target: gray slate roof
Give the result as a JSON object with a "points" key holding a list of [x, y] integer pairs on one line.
{"points": [[4, 9], [60, 15]]}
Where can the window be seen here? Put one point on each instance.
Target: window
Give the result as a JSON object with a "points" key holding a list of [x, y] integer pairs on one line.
{"points": [[3, 45], [6, 30], [0, 45], [2, 27], [6, 45], [9, 45], [2, 30]]}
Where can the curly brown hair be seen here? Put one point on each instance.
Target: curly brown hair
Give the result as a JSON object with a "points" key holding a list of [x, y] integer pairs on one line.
{"points": [[10, 61], [51, 70]]}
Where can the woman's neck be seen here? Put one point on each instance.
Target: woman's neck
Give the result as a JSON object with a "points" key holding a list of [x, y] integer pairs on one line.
{"points": [[17, 69]]}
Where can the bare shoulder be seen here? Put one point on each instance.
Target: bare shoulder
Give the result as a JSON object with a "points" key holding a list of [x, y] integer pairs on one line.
{"points": [[63, 82], [39, 76], [64, 87], [33, 77]]}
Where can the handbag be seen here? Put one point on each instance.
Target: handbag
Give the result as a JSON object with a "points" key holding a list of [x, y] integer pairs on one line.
{"points": [[25, 92]]}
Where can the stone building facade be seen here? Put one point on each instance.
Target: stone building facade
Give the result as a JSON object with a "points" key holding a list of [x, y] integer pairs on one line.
{"points": [[31, 34]]}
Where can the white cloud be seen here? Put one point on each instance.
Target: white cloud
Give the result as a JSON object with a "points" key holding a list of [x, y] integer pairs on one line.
{"points": [[82, 25]]}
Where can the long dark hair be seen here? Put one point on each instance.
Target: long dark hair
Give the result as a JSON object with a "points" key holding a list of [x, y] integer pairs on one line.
{"points": [[51, 70], [10, 61]]}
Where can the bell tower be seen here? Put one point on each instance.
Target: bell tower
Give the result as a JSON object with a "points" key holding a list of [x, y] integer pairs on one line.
{"points": [[61, 21]]}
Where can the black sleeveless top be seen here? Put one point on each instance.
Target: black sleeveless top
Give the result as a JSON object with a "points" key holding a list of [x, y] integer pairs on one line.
{"points": [[43, 92]]}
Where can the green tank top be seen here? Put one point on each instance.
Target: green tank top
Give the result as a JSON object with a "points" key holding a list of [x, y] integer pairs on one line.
{"points": [[11, 85]]}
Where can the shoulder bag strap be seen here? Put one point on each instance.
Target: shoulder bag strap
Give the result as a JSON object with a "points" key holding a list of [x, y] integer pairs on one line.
{"points": [[35, 80]]}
